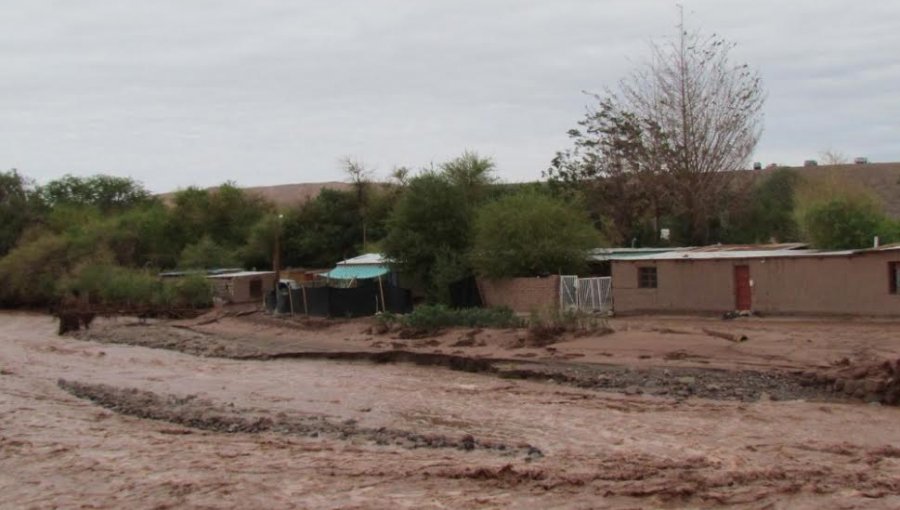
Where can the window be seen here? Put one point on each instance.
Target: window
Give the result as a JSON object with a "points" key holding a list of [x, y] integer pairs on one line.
{"points": [[647, 277], [894, 277]]}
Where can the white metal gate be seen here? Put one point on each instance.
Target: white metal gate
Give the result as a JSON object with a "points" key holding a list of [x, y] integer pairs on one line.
{"points": [[568, 292], [585, 294]]}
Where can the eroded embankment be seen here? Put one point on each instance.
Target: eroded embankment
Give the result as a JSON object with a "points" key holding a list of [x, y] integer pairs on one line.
{"points": [[673, 382], [197, 413]]}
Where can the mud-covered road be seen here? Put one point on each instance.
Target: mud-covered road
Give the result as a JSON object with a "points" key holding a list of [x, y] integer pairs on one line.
{"points": [[98, 425]]}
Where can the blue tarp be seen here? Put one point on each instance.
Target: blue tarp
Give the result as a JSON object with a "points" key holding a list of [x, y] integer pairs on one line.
{"points": [[359, 272]]}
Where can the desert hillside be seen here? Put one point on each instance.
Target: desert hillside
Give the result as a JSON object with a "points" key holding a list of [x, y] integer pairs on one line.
{"points": [[286, 194], [882, 178]]}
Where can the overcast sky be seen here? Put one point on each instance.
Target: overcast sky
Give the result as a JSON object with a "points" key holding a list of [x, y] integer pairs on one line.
{"points": [[196, 92]]}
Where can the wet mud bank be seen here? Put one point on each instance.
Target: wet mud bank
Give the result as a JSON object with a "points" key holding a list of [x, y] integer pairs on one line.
{"points": [[873, 384], [676, 382], [190, 411]]}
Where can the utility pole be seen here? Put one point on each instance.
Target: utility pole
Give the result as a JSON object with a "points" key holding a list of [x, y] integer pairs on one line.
{"points": [[276, 255]]}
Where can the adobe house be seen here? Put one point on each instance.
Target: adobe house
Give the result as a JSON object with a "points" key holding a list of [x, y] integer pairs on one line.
{"points": [[780, 281], [242, 286]]}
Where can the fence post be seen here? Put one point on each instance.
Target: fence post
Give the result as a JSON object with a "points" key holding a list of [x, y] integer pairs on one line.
{"points": [[381, 289]]}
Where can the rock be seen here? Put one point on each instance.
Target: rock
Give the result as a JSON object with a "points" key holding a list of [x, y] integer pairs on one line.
{"points": [[633, 390], [874, 386], [764, 397], [533, 454], [686, 380]]}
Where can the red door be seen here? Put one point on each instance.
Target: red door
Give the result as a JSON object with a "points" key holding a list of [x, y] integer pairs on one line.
{"points": [[742, 289]]}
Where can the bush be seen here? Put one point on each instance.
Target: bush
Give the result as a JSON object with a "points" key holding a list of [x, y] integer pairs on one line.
{"points": [[207, 254], [194, 291], [30, 275], [530, 234], [836, 213], [844, 223], [113, 286]]}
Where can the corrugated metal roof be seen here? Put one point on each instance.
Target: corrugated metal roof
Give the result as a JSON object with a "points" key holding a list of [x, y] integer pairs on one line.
{"points": [[240, 274], [603, 254], [753, 254], [206, 272], [750, 247], [366, 259]]}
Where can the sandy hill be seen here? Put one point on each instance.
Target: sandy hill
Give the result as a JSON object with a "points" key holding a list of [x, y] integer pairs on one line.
{"points": [[291, 194], [285, 194], [882, 178]]}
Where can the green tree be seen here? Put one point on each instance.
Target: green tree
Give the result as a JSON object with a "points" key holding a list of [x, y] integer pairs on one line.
{"points": [[18, 208], [226, 214], [259, 251], [322, 231], [768, 213], [207, 254], [471, 173], [105, 192], [529, 234], [846, 223], [430, 228]]}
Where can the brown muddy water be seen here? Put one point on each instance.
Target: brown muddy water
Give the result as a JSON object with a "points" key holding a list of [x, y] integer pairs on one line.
{"points": [[564, 447]]}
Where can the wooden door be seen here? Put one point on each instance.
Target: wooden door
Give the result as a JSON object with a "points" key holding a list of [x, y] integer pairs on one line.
{"points": [[742, 289]]}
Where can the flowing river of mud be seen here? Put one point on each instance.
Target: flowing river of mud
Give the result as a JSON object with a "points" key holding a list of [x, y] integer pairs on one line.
{"points": [[364, 431]]}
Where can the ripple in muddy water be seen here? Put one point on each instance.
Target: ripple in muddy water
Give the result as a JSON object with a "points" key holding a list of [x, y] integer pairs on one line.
{"points": [[202, 414]]}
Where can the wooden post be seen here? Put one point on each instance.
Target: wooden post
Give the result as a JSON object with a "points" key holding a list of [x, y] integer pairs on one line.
{"points": [[381, 288], [305, 306], [291, 300]]}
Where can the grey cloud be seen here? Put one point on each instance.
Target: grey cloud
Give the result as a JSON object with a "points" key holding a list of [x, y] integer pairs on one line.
{"points": [[196, 92]]}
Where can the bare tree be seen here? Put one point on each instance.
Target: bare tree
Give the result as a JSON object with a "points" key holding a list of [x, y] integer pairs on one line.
{"points": [[680, 124], [400, 176], [833, 157], [361, 178]]}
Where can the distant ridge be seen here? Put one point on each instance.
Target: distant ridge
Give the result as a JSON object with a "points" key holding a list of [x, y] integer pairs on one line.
{"points": [[882, 178], [284, 195]]}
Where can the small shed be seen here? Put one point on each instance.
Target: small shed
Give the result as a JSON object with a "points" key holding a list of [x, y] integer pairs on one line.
{"points": [[785, 280], [242, 286]]}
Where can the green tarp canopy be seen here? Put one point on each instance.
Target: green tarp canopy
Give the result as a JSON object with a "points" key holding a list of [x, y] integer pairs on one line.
{"points": [[359, 272]]}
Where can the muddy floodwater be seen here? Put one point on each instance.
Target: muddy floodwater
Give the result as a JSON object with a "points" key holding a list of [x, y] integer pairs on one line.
{"points": [[85, 424]]}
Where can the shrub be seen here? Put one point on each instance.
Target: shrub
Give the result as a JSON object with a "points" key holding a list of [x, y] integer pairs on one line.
{"points": [[114, 286], [836, 213], [432, 318], [194, 291], [529, 234], [207, 254], [844, 223]]}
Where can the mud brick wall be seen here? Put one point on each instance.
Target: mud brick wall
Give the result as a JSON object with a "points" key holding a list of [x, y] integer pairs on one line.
{"points": [[521, 294]]}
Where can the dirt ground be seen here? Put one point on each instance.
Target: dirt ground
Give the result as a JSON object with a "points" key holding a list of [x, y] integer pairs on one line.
{"points": [[256, 412]]}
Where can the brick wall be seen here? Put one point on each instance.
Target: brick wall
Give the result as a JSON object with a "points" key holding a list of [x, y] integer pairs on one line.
{"points": [[521, 294]]}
